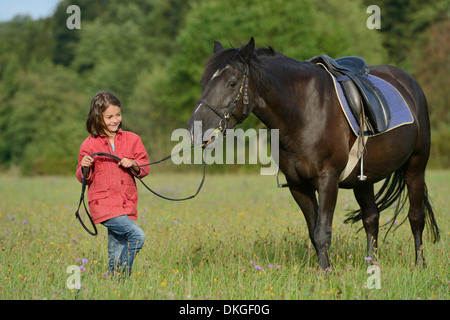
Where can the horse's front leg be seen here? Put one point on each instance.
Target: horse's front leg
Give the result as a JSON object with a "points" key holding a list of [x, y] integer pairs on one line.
{"points": [[327, 187], [305, 196]]}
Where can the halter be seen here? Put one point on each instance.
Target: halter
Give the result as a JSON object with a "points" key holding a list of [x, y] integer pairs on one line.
{"points": [[225, 116]]}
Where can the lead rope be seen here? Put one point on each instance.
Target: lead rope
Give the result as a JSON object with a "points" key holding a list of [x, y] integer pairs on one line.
{"points": [[104, 154], [77, 213]]}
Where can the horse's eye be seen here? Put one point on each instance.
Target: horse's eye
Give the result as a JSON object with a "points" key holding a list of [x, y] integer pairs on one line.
{"points": [[232, 84]]}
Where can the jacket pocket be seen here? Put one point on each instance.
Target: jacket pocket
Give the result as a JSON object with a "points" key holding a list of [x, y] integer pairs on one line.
{"points": [[130, 201], [131, 197], [97, 195]]}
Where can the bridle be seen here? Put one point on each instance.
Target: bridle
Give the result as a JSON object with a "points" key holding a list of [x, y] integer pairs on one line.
{"points": [[225, 116]]}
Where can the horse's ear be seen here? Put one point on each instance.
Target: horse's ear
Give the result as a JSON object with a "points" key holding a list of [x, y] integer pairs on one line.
{"points": [[247, 51], [217, 46]]}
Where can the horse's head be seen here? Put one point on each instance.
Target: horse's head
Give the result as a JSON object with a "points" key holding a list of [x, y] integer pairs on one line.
{"points": [[225, 91]]}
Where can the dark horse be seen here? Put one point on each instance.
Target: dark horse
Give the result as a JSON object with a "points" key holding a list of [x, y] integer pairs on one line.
{"points": [[298, 98]]}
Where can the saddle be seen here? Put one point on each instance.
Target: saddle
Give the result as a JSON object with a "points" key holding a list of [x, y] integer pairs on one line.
{"points": [[364, 98]]}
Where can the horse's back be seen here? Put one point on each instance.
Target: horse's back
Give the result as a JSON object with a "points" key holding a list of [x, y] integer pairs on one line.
{"points": [[408, 87]]}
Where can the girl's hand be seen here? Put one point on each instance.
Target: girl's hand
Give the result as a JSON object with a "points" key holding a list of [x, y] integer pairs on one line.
{"points": [[87, 161], [127, 163]]}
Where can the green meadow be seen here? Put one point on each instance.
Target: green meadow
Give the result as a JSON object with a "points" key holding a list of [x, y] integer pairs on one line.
{"points": [[240, 238]]}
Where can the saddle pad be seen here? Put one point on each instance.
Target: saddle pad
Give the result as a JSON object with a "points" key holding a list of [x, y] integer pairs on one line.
{"points": [[400, 113]]}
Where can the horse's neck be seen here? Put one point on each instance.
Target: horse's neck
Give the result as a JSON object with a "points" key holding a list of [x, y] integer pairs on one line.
{"points": [[286, 97]]}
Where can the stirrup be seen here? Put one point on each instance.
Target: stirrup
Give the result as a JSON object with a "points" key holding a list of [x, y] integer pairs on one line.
{"points": [[362, 177]]}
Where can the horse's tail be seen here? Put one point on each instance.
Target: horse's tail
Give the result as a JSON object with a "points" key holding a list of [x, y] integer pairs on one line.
{"points": [[429, 217], [393, 191]]}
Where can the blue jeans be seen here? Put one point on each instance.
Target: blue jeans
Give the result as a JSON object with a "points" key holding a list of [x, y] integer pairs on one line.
{"points": [[125, 240]]}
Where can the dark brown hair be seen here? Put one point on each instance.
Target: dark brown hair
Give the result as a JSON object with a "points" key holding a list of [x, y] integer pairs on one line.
{"points": [[100, 102]]}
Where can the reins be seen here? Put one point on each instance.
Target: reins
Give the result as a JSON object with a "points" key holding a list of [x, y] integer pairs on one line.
{"points": [[104, 154]]}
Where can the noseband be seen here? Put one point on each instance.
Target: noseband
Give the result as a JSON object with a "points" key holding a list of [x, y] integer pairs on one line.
{"points": [[225, 116]]}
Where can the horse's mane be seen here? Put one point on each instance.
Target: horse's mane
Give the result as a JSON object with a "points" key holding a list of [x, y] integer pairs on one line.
{"points": [[233, 58], [268, 52]]}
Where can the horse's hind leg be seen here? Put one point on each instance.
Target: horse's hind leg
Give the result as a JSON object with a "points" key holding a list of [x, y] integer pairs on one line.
{"points": [[370, 216], [415, 181]]}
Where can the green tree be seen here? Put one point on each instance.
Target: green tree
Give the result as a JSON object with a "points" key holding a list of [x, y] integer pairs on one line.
{"points": [[66, 40], [24, 42], [432, 69], [403, 23], [299, 29], [46, 125], [151, 53]]}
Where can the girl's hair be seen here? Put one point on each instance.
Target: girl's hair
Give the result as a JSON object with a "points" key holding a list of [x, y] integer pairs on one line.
{"points": [[100, 102]]}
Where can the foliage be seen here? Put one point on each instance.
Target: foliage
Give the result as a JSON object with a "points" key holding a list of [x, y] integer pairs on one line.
{"points": [[151, 53], [47, 113]]}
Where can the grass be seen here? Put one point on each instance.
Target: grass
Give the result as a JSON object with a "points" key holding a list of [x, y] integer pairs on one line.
{"points": [[240, 238]]}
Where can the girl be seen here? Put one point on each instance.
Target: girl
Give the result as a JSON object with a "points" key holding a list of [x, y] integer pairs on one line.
{"points": [[112, 191]]}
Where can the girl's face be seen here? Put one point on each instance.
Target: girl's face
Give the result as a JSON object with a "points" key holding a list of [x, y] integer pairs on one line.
{"points": [[112, 118]]}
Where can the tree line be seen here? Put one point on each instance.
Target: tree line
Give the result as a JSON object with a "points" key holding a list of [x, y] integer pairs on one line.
{"points": [[151, 54]]}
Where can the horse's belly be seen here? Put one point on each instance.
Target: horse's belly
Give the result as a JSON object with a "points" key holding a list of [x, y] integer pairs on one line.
{"points": [[384, 155]]}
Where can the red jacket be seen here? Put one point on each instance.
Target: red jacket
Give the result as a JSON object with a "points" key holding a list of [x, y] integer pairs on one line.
{"points": [[112, 189]]}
